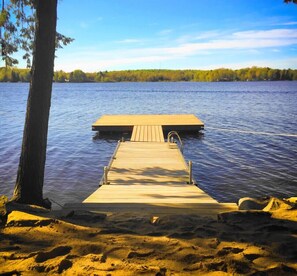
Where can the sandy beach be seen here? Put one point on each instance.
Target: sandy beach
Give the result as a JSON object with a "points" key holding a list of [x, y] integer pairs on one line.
{"points": [[72, 242]]}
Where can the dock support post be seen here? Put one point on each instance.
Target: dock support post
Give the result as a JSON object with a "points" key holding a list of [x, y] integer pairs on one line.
{"points": [[190, 172], [105, 175]]}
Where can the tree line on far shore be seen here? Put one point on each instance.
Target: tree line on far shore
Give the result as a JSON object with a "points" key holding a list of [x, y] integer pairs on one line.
{"points": [[12, 74]]}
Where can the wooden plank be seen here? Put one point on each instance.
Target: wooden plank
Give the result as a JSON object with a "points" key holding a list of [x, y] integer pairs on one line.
{"points": [[186, 122], [150, 193], [138, 133], [161, 135], [157, 133], [149, 133], [148, 172], [154, 133], [143, 133], [203, 209], [133, 136]]}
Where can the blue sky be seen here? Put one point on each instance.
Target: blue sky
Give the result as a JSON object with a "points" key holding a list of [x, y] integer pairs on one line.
{"points": [[177, 34]]}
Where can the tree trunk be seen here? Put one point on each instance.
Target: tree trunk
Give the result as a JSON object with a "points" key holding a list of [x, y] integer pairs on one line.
{"points": [[29, 183]]}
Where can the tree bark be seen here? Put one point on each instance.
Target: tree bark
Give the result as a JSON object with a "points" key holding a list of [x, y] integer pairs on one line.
{"points": [[30, 177]]}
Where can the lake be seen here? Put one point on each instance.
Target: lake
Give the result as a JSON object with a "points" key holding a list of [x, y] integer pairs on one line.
{"points": [[248, 147]]}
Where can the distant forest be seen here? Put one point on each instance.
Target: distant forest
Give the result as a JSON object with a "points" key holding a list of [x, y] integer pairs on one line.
{"points": [[246, 74]]}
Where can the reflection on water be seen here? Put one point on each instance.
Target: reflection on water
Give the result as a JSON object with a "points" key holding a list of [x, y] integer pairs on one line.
{"points": [[248, 147], [112, 136]]}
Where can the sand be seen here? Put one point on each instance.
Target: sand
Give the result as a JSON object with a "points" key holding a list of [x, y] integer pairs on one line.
{"points": [[82, 243]]}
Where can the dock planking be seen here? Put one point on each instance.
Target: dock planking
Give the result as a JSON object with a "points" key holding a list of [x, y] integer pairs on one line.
{"points": [[168, 122], [146, 173], [144, 133]]}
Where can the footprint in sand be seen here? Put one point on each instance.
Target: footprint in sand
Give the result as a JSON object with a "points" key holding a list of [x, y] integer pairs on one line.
{"points": [[31, 223], [64, 265], [58, 251], [229, 250]]}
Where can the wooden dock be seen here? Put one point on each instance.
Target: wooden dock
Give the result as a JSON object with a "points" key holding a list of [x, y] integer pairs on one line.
{"points": [[150, 174], [147, 133], [178, 122]]}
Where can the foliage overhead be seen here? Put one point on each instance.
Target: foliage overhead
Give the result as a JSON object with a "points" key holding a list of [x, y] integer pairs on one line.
{"points": [[17, 29]]}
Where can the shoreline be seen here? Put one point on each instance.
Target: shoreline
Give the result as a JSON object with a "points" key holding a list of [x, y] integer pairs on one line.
{"points": [[78, 242], [158, 75]]}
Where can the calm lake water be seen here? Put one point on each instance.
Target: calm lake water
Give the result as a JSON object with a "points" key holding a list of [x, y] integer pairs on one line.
{"points": [[248, 147]]}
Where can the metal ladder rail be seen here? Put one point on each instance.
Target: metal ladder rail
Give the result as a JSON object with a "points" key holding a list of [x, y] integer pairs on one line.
{"points": [[170, 137], [104, 179], [190, 164]]}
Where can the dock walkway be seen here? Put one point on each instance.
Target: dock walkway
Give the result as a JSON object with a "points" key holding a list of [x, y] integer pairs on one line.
{"points": [[147, 133], [148, 174]]}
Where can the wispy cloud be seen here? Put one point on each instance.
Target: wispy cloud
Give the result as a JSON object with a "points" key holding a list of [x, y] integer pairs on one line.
{"points": [[283, 63], [88, 23], [208, 35], [130, 40], [84, 25], [239, 40], [252, 41], [291, 23], [267, 34], [165, 32], [199, 36]]}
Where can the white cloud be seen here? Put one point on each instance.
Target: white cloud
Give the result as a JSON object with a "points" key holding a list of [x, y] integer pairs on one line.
{"points": [[267, 34], [92, 65], [239, 40], [153, 62], [291, 23], [199, 36], [278, 63], [251, 42], [208, 34]]}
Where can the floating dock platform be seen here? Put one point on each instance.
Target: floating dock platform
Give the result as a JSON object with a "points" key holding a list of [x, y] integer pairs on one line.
{"points": [[149, 173], [177, 122]]}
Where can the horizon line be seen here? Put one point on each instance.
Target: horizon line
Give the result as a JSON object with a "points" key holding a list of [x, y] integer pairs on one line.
{"points": [[167, 69]]}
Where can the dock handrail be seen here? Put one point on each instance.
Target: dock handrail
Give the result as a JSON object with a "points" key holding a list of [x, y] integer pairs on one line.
{"points": [[190, 168], [170, 139], [104, 179], [190, 164]]}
